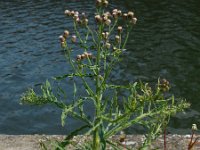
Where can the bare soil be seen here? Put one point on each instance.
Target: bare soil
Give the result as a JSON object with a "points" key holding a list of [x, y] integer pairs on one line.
{"points": [[33, 142]]}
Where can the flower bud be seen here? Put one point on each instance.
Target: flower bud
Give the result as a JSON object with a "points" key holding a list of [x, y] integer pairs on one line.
{"points": [[108, 45], [125, 16], [83, 15], [83, 56], [98, 18], [105, 3], [115, 11], [119, 29], [98, 3], [194, 127], [108, 22], [76, 13], [62, 39], [133, 21], [76, 16], [85, 21], [130, 14], [72, 13], [73, 38], [77, 20], [78, 57], [119, 12], [117, 38], [115, 15], [63, 44], [67, 12], [66, 33]]}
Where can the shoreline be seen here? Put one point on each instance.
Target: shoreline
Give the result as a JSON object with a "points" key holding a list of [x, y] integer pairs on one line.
{"points": [[32, 142]]}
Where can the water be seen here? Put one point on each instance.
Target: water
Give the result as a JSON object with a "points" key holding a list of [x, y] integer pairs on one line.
{"points": [[165, 43]]}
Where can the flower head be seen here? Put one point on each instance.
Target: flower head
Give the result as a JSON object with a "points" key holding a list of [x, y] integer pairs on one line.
{"points": [[73, 38], [66, 33]]}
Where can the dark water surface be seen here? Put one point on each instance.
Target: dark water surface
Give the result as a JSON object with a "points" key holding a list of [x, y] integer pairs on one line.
{"points": [[165, 43]]}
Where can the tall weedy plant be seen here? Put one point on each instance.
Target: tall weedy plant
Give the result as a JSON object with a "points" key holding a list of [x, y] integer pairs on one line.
{"points": [[101, 48]]}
